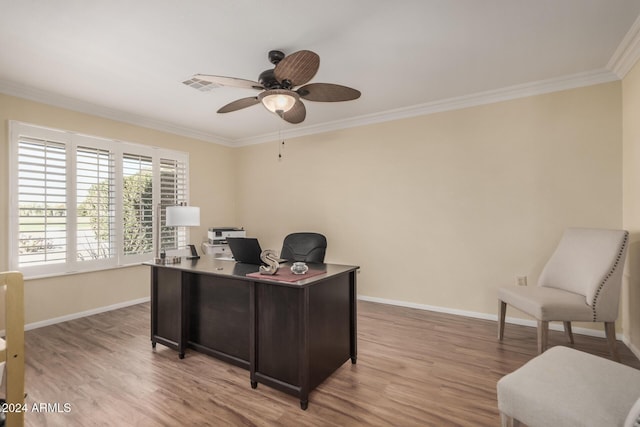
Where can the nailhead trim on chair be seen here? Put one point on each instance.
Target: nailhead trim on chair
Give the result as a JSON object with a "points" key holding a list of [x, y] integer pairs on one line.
{"points": [[609, 274]]}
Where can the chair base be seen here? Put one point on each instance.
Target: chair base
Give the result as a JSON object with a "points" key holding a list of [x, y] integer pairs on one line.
{"points": [[507, 421], [610, 332], [543, 332], [568, 332]]}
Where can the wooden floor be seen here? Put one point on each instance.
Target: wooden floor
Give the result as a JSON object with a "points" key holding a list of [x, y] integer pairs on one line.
{"points": [[415, 368]]}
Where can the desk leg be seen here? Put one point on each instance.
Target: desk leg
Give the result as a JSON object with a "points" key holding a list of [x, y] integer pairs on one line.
{"points": [[354, 317], [253, 319], [184, 314], [154, 299], [304, 348]]}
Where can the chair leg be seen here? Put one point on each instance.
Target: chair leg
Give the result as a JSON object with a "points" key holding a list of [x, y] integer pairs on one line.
{"points": [[502, 311], [507, 421], [567, 332], [610, 332], [543, 333]]}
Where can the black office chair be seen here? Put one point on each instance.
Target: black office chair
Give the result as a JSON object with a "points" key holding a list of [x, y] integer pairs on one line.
{"points": [[305, 247]]}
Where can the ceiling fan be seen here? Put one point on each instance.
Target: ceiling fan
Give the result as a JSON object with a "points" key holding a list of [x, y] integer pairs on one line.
{"points": [[281, 90]]}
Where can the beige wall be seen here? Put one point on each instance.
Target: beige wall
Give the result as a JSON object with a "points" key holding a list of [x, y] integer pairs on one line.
{"points": [[442, 209], [631, 196], [438, 210], [212, 190]]}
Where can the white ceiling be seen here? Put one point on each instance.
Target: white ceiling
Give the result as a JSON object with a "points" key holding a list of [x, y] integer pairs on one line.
{"points": [[127, 59]]}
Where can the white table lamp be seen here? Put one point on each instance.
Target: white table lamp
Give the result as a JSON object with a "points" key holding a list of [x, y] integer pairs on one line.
{"points": [[184, 216]]}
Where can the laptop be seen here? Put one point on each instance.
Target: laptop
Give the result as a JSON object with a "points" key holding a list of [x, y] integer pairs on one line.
{"points": [[246, 250]]}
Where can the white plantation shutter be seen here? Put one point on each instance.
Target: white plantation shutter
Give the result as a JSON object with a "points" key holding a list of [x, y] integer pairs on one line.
{"points": [[95, 199], [42, 202], [82, 203], [137, 171], [173, 191]]}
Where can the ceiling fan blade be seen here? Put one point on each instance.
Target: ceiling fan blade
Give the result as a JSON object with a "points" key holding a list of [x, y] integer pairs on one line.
{"points": [[327, 92], [296, 114], [239, 104], [298, 68], [225, 81]]}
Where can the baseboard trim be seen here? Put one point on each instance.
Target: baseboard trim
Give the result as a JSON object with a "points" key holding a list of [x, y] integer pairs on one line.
{"points": [[49, 322], [635, 350], [494, 317], [438, 309]]}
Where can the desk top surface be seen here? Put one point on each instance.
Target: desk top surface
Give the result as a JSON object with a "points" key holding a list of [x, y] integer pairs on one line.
{"points": [[236, 270]]}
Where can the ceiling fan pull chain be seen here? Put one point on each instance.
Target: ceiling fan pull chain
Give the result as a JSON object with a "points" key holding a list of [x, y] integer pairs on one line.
{"points": [[281, 145]]}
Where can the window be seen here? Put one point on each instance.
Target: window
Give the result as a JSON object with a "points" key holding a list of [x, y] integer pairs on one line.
{"points": [[137, 187], [173, 189], [42, 202], [95, 201], [81, 203]]}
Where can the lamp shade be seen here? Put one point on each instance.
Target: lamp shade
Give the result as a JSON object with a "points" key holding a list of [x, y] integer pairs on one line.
{"points": [[183, 216], [278, 100]]}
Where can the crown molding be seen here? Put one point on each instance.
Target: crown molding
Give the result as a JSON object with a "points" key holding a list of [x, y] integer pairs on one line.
{"points": [[481, 98], [56, 100], [627, 53]]}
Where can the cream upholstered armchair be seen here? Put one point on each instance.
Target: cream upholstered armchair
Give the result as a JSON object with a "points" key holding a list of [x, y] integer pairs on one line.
{"points": [[580, 283]]}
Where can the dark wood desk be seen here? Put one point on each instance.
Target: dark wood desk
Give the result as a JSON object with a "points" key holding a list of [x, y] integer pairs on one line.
{"points": [[290, 336]]}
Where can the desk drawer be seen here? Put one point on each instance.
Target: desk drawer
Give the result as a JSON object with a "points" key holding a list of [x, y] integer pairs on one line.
{"points": [[279, 326], [219, 318]]}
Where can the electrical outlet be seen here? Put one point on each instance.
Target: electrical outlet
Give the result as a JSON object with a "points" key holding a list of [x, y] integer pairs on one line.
{"points": [[521, 280]]}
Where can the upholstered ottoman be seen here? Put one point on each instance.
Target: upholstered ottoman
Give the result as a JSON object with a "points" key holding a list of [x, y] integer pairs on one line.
{"points": [[565, 387]]}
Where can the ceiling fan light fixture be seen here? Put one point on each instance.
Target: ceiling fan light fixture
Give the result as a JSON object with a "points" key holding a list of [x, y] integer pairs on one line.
{"points": [[278, 101], [277, 85]]}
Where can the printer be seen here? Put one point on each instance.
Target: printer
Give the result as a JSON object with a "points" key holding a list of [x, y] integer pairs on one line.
{"points": [[218, 235], [216, 243]]}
